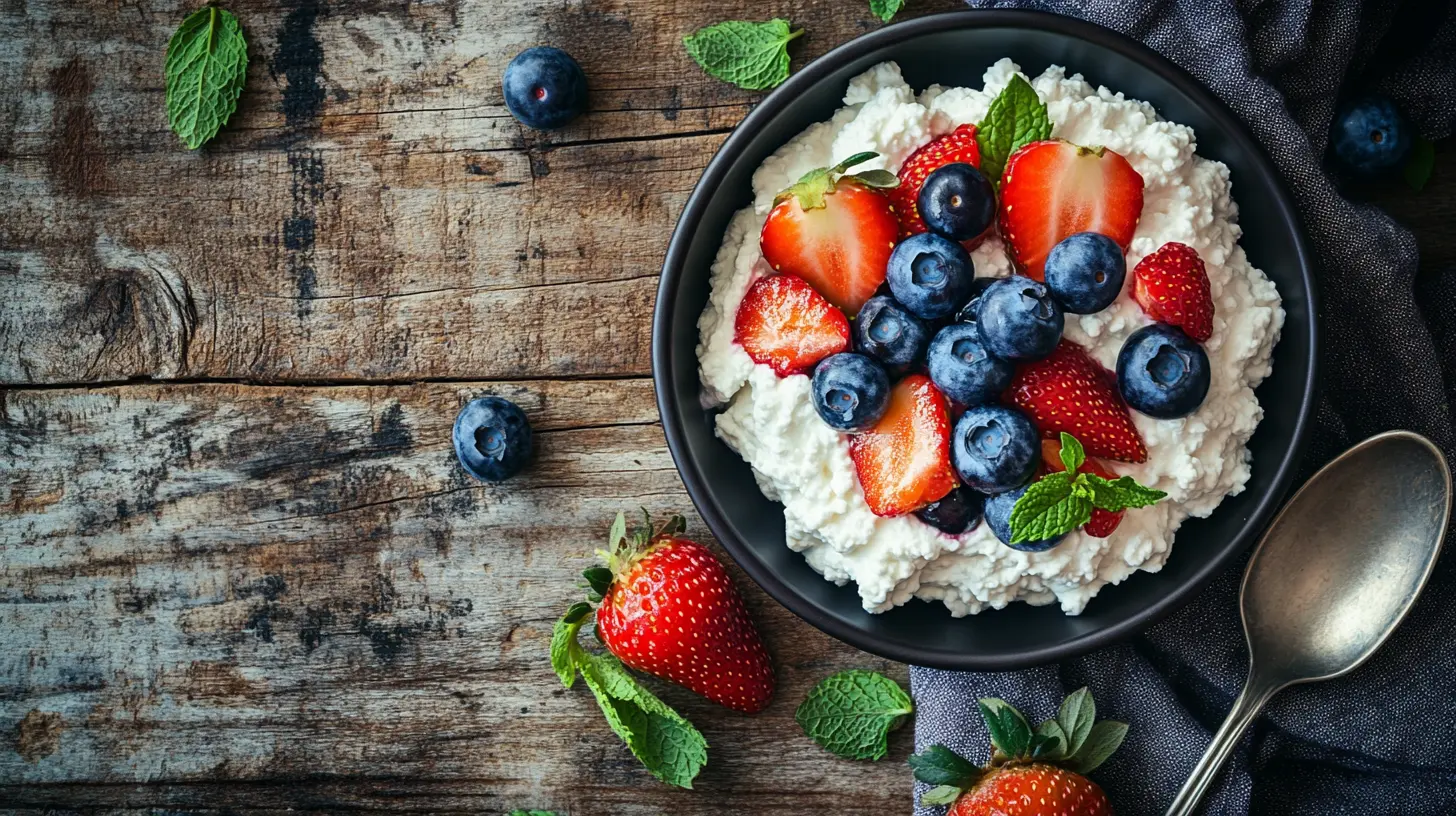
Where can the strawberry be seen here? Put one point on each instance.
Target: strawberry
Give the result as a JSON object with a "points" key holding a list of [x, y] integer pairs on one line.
{"points": [[957, 146], [1053, 189], [1031, 773], [903, 462], [1069, 391], [669, 609], [1103, 522], [834, 231], [1172, 287], [783, 323]]}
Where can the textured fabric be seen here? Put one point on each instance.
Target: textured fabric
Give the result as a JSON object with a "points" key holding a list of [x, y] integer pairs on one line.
{"points": [[1377, 741]]}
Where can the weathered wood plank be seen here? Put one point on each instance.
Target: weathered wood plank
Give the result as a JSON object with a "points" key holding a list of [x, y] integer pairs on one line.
{"points": [[211, 583]]}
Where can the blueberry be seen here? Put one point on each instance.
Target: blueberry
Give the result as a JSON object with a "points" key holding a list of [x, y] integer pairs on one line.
{"points": [[888, 332], [963, 369], [1370, 136], [967, 314], [851, 391], [1085, 272], [994, 448], [1019, 320], [957, 201], [1162, 372], [957, 512], [998, 517], [931, 275], [492, 439], [544, 88]]}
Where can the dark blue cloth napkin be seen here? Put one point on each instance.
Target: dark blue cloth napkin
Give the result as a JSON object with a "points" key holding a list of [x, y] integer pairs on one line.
{"points": [[1383, 739]]}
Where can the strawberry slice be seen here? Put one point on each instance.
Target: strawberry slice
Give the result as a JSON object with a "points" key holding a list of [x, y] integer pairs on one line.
{"points": [[1068, 391], [785, 324], [1172, 287], [1053, 189], [834, 231], [1103, 522], [957, 146], [903, 462]]}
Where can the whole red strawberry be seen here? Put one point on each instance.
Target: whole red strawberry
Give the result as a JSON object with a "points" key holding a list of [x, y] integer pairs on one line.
{"points": [[1103, 522], [1172, 287], [1039, 772], [957, 146], [669, 609], [1069, 391]]}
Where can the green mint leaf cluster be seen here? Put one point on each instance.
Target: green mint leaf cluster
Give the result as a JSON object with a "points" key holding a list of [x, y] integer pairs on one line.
{"points": [[852, 713], [753, 56], [886, 9], [207, 61], [1017, 117], [1061, 502], [662, 740]]}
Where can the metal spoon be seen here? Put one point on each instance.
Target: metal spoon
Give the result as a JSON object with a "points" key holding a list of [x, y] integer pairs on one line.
{"points": [[1333, 577]]}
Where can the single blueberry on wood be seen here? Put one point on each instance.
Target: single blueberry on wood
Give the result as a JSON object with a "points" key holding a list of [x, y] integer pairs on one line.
{"points": [[544, 88], [492, 439]]}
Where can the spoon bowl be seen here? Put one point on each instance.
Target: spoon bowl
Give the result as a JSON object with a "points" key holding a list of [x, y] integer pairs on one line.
{"points": [[1334, 575]]}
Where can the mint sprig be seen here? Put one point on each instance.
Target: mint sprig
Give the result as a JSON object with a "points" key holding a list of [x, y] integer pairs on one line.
{"points": [[852, 713], [1061, 502], [662, 740], [1017, 117], [207, 62], [812, 187], [753, 56], [886, 9]]}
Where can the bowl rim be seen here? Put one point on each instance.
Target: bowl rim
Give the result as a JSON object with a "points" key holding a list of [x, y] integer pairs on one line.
{"points": [[692, 215]]}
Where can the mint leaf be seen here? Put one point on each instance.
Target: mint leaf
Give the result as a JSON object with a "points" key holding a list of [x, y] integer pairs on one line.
{"points": [[1046, 503], [1075, 717], [1010, 732], [1072, 453], [940, 766], [564, 648], [852, 713], [1422, 161], [1125, 492], [1017, 117], [207, 62], [753, 56], [1102, 740], [885, 9], [667, 744]]}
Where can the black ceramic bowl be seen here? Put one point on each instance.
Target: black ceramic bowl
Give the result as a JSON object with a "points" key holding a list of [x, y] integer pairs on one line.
{"points": [[955, 49]]}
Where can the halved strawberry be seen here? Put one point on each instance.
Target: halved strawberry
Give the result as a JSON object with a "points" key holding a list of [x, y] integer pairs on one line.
{"points": [[1053, 189], [1102, 522], [834, 231], [903, 462], [1172, 287], [783, 323], [1068, 391], [957, 146]]}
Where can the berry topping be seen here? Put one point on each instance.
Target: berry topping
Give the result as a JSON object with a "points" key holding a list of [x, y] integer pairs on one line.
{"points": [[544, 88], [1172, 287], [888, 332], [957, 201], [1069, 392], [492, 438], [957, 146], [851, 391], [1085, 272], [958, 512], [994, 448], [835, 231], [903, 462], [785, 324], [931, 275], [1162, 372], [1018, 319], [963, 369], [1053, 189], [1370, 136]]}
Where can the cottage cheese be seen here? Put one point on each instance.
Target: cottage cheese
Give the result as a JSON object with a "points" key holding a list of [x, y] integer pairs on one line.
{"points": [[800, 462]]}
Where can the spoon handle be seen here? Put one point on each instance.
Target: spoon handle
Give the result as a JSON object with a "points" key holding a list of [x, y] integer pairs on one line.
{"points": [[1250, 702]]}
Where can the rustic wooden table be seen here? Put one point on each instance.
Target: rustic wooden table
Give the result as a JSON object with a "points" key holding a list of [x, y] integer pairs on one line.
{"points": [[239, 567]]}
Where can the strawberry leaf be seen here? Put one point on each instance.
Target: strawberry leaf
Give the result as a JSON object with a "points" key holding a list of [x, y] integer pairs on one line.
{"points": [[941, 795], [812, 187], [1075, 717], [1010, 732], [942, 767], [599, 579], [852, 713], [1116, 496], [1017, 117], [1052, 730], [618, 533], [1072, 453], [1102, 741], [879, 179]]}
